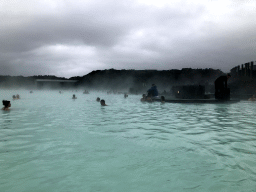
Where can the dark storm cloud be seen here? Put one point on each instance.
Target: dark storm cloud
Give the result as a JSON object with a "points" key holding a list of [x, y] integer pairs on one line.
{"points": [[53, 30], [73, 38]]}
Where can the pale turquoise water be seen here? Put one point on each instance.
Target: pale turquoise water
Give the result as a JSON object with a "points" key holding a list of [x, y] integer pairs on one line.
{"points": [[49, 142]]}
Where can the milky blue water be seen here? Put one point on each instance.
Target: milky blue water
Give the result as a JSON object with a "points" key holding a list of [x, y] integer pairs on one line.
{"points": [[51, 143]]}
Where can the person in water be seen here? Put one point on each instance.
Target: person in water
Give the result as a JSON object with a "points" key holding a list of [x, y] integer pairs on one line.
{"points": [[98, 99], [74, 97], [125, 95], [7, 105], [143, 98], [13, 97], [102, 102], [153, 92], [253, 98], [221, 89], [17, 96], [162, 99], [146, 98]]}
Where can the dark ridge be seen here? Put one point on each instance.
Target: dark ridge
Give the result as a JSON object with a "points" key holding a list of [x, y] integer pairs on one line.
{"points": [[138, 81]]}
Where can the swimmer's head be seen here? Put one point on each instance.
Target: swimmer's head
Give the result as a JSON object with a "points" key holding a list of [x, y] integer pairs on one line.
{"points": [[6, 103], [102, 102], [98, 99]]}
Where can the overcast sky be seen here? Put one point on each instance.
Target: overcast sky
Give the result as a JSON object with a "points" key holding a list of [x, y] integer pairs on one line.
{"points": [[74, 37]]}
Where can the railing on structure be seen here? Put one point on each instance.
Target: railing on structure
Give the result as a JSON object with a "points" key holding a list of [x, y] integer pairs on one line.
{"points": [[246, 70]]}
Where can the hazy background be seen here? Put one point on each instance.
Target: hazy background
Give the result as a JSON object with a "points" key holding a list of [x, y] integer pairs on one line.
{"points": [[72, 38]]}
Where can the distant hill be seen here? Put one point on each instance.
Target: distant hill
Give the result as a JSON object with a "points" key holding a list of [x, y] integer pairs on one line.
{"points": [[141, 80], [111, 79]]}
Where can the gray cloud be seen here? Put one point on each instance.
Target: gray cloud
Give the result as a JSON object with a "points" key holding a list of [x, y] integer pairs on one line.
{"points": [[67, 38]]}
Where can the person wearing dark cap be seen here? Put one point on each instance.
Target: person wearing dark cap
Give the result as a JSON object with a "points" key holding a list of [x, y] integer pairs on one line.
{"points": [[152, 92], [74, 97], [102, 102], [7, 105], [221, 90]]}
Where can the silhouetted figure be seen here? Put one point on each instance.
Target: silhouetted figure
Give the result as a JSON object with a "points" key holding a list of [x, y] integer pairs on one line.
{"points": [[74, 97], [146, 98], [13, 97], [222, 92], [102, 102], [17, 96], [125, 95], [98, 99], [143, 98], [253, 98], [153, 92], [162, 99], [7, 105]]}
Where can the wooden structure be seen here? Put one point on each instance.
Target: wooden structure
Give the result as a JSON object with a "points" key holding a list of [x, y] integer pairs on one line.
{"points": [[247, 70]]}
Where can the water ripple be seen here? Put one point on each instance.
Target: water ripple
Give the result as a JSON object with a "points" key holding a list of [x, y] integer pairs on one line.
{"points": [[53, 140]]}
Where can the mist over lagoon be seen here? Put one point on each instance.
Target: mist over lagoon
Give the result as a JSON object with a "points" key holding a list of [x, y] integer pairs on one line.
{"points": [[242, 83], [138, 95]]}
